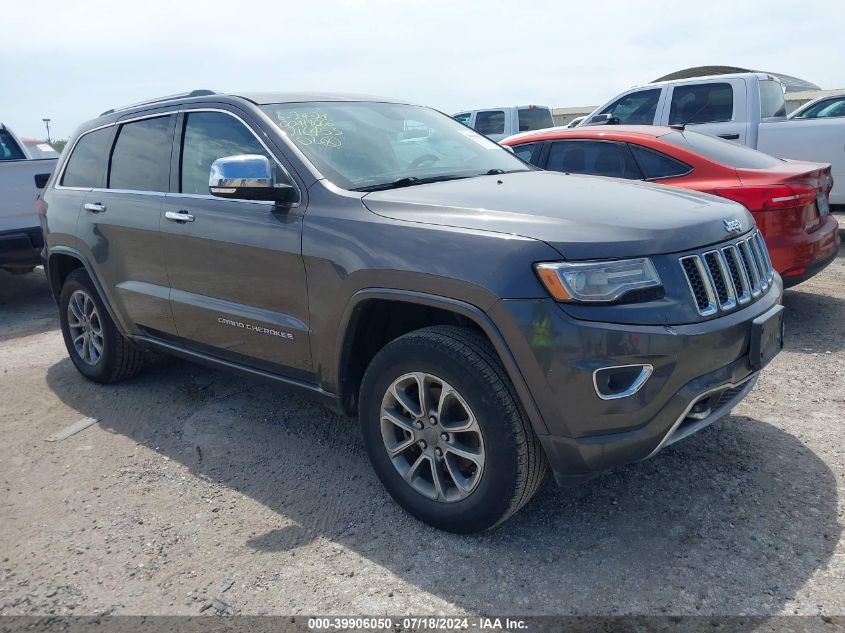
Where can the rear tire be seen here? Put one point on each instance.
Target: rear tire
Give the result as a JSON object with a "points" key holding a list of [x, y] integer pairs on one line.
{"points": [[98, 350], [426, 473]]}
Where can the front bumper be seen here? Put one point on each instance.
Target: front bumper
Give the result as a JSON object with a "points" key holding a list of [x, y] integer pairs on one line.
{"points": [[703, 363]]}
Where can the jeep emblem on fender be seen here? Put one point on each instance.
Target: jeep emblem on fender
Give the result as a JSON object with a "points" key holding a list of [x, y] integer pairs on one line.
{"points": [[732, 225]]}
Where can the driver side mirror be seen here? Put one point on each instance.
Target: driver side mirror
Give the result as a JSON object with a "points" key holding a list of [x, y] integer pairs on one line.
{"points": [[249, 177]]}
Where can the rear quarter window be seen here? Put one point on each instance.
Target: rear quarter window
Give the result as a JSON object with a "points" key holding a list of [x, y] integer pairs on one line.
{"points": [[525, 151], [721, 151], [86, 166], [656, 165]]}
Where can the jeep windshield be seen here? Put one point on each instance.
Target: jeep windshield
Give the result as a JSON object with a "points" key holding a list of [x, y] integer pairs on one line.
{"points": [[367, 146]]}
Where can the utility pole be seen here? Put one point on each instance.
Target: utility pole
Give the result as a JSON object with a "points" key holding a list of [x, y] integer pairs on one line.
{"points": [[47, 123]]}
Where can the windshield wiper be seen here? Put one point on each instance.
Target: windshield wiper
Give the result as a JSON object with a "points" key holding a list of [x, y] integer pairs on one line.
{"points": [[407, 181], [497, 170]]}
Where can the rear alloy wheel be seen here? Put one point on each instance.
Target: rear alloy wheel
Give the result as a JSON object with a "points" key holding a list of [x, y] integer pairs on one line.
{"points": [[445, 431], [94, 344], [86, 329]]}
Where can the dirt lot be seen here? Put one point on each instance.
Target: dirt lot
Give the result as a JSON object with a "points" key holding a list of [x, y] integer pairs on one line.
{"points": [[193, 481]]}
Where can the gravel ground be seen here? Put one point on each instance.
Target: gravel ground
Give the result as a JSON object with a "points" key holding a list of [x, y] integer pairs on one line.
{"points": [[196, 487]]}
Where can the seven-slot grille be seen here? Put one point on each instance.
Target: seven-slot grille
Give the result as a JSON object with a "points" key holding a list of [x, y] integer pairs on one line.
{"points": [[732, 275]]}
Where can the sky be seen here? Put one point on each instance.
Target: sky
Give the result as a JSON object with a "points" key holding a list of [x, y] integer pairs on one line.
{"points": [[69, 61]]}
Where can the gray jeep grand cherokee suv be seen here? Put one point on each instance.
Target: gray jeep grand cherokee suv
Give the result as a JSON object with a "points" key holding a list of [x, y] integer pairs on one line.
{"points": [[483, 319]]}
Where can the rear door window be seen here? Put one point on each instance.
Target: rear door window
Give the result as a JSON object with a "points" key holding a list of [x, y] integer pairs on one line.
{"points": [[636, 108], [534, 118], [141, 157], [597, 158], [86, 166], [655, 165], [490, 122], [463, 117], [701, 103], [9, 149]]}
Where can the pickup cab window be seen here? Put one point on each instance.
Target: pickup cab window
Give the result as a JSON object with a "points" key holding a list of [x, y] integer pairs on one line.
{"points": [[635, 108], [490, 122], [772, 102], [701, 103], [534, 118], [9, 149], [463, 117]]}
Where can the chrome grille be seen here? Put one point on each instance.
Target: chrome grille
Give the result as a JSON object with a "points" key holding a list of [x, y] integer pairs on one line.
{"points": [[732, 275]]}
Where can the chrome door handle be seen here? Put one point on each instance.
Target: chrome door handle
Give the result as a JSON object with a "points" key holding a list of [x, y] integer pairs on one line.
{"points": [[179, 216], [95, 207]]}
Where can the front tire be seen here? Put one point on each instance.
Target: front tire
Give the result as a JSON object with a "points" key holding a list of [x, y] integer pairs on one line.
{"points": [[98, 350], [445, 432]]}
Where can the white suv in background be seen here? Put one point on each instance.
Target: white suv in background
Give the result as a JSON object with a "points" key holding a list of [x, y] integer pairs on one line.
{"points": [[499, 123]]}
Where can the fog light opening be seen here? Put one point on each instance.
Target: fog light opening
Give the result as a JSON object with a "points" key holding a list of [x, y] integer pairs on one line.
{"points": [[620, 381]]}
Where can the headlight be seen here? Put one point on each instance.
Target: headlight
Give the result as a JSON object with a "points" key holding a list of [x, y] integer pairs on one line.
{"points": [[600, 282]]}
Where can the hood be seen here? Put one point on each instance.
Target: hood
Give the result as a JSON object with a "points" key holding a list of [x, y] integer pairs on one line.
{"points": [[583, 217]]}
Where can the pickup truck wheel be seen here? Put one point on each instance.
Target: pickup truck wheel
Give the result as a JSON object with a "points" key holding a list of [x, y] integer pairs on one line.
{"points": [[95, 346], [445, 432]]}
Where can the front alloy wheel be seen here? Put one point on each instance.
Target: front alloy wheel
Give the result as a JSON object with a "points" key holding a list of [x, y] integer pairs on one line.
{"points": [[432, 437], [445, 432]]}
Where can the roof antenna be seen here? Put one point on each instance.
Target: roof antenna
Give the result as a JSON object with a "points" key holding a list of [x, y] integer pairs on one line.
{"points": [[681, 126]]}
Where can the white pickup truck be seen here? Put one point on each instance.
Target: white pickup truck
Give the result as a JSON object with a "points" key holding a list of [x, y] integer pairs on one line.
{"points": [[747, 108], [22, 176]]}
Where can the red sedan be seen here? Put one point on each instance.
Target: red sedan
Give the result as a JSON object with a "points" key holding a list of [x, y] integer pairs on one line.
{"points": [[788, 199]]}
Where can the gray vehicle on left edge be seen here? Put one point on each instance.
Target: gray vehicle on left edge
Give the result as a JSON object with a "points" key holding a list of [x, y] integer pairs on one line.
{"points": [[485, 320]]}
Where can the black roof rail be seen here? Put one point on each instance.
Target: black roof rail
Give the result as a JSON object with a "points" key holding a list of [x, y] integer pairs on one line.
{"points": [[181, 95]]}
